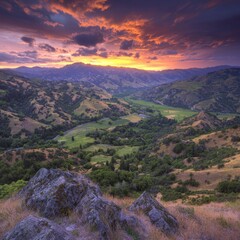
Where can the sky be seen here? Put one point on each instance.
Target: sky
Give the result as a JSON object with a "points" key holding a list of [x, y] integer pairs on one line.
{"points": [[144, 34]]}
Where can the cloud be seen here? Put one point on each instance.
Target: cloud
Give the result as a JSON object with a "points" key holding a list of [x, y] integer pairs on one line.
{"points": [[168, 52], [91, 52], [30, 41], [29, 54], [85, 52], [22, 57], [103, 54], [126, 44], [47, 47], [152, 58], [88, 39], [63, 58], [124, 54], [29, 57], [137, 55], [151, 26]]}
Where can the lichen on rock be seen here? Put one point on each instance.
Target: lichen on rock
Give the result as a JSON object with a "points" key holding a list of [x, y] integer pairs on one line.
{"points": [[158, 215]]}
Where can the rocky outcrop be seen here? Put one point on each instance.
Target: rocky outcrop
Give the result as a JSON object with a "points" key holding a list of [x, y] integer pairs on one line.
{"points": [[157, 214], [55, 193], [35, 228], [104, 215]]}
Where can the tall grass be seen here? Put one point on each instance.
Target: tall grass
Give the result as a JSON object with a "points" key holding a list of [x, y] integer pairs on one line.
{"points": [[11, 212]]}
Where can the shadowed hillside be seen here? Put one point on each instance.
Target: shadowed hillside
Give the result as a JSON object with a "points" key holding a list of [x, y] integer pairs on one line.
{"points": [[217, 92]]}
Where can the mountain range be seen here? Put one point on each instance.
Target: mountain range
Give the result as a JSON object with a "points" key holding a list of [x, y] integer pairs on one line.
{"points": [[115, 80]]}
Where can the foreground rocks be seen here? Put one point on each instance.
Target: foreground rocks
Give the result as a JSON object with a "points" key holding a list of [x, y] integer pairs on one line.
{"points": [[55, 194], [157, 214], [35, 228]]}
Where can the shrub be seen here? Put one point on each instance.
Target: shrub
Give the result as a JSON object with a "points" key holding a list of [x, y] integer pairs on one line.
{"points": [[8, 189], [179, 147], [229, 186]]}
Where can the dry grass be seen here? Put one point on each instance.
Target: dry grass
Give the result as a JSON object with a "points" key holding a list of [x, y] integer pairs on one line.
{"points": [[216, 221], [121, 202], [11, 212], [209, 178]]}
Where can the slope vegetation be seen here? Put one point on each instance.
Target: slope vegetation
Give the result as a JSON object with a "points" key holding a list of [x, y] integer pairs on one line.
{"points": [[215, 92]]}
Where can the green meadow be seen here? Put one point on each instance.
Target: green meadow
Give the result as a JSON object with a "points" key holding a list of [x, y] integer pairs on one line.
{"points": [[170, 112], [77, 136]]}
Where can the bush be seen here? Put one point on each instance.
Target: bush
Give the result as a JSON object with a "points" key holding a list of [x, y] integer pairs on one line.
{"points": [[191, 182], [179, 147], [104, 177], [229, 186], [7, 190], [235, 139]]}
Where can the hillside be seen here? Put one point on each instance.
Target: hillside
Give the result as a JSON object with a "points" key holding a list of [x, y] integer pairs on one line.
{"points": [[215, 92], [112, 79], [27, 105]]}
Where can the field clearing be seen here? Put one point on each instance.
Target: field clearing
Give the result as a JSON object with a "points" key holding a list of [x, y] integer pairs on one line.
{"points": [[170, 112], [91, 107], [79, 132], [97, 147], [100, 158], [134, 118], [126, 150]]}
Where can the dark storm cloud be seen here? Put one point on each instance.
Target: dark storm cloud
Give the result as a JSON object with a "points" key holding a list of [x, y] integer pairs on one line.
{"points": [[30, 41], [85, 52], [182, 23], [126, 44], [124, 54], [91, 52], [47, 47], [88, 39], [23, 17]]}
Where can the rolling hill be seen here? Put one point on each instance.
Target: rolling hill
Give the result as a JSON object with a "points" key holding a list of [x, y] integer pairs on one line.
{"points": [[218, 91], [30, 104], [112, 79]]}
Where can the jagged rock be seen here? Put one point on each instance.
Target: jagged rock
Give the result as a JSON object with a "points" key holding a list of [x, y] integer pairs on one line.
{"points": [[56, 193], [157, 214], [35, 228], [104, 215]]}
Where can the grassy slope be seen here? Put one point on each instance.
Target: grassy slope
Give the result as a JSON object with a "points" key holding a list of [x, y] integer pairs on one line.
{"points": [[169, 112], [79, 132]]}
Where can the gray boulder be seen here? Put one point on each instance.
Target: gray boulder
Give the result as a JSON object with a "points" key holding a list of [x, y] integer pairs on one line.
{"points": [[35, 228], [55, 193], [103, 215], [157, 214]]}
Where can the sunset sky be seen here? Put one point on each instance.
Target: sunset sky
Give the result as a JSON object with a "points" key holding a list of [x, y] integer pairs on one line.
{"points": [[145, 34]]}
